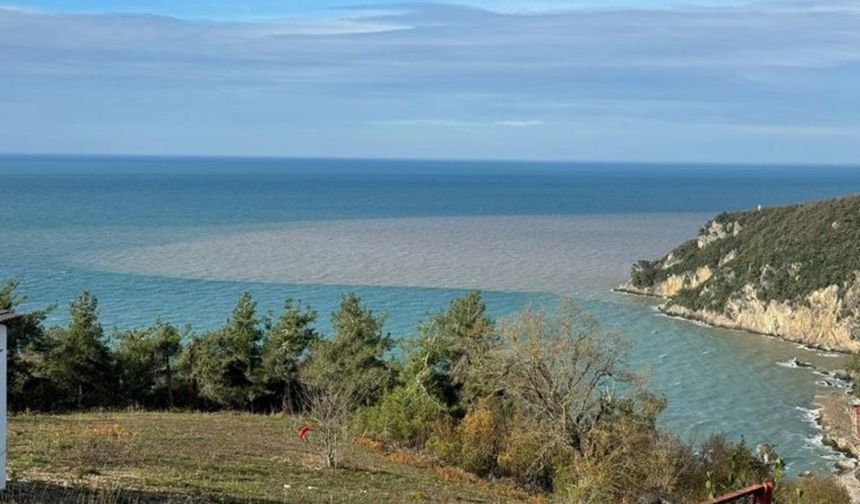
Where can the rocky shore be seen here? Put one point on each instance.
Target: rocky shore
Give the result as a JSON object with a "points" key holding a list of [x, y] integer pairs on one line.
{"points": [[836, 418], [835, 407], [815, 322]]}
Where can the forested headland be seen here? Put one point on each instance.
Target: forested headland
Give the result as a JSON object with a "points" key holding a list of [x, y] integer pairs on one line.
{"points": [[788, 271]]}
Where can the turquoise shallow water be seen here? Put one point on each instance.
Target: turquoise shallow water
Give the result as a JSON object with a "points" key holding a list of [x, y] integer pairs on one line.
{"points": [[173, 238]]}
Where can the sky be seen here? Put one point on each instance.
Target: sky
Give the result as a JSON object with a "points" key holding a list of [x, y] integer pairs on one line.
{"points": [[618, 80]]}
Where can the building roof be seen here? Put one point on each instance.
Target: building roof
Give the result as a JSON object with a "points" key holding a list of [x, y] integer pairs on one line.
{"points": [[6, 315]]}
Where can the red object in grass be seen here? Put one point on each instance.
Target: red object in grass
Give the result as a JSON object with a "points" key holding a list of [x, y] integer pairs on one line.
{"points": [[303, 432]]}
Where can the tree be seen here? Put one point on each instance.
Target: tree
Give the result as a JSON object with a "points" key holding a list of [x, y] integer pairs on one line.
{"points": [[79, 361], [284, 347], [448, 348], [561, 371], [331, 397], [146, 361], [224, 362], [347, 372], [26, 345], [168, 346], [359, 347]]}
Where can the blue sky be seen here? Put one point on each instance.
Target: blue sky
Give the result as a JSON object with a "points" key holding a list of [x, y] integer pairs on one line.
{"points": [[715, 81], [268, 9]]}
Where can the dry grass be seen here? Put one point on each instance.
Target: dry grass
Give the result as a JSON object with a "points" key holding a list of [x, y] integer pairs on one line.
{"points": [[500, 488], [102, 458]]}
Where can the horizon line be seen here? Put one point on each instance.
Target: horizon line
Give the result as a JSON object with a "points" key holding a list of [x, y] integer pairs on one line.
{"points": [[246, 157]]}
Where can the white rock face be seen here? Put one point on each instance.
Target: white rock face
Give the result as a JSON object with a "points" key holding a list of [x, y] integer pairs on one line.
{"points": [[717, 231], [669, 261], [827, 318], [728, 258], [673, 284]]}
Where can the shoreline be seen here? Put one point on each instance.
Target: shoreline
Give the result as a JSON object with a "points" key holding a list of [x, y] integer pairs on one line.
{"points": [[692, 316], [834, 419], [836, 422], [832, 408]]}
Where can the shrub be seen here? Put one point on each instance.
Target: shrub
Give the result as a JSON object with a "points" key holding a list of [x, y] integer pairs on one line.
{"points": [[473, 444], [643, 273], [528, 455], [406, 414], [628, 459], [812, 491]]}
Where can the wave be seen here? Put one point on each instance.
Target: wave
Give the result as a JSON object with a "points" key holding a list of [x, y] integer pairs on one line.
{"points": [[810, 414], [795, 363], [817, 351], [684, 319], [833, 383]]}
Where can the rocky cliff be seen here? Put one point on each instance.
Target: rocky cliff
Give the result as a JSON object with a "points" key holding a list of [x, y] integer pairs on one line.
{"points": [[791, 272]]}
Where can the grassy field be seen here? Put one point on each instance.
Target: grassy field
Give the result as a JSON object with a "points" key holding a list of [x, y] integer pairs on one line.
{"points": [[214, 457]]}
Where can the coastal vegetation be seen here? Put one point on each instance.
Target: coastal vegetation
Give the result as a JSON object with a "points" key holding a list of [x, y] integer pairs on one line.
{"points": [[785, 252], [536, 406], [790, 271]]}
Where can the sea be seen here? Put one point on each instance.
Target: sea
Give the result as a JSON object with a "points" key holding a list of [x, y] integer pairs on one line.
{"points": [[179, 238]]}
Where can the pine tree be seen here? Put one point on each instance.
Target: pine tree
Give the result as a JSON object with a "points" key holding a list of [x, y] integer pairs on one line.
{"points": [[79, 361], [284, 347], [225, 361], [359, 345], [145, 358], [447, 349], [347, 372], [25, 346], [168, 345]]}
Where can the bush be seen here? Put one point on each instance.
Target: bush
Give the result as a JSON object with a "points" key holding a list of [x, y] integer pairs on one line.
{"points": [[644, 273], [628, 459], [528, 456], [724, 466], [475, 443], [406, 414], [812, 491]]}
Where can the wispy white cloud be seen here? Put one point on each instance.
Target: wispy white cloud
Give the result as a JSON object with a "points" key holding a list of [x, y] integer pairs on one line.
{"points": [[24, 9], [520, 124], [460, 124], [797, 131]]}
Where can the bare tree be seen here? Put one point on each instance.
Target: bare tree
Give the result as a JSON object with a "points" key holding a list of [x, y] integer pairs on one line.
{"points": [[561, 370], [333, 395]]}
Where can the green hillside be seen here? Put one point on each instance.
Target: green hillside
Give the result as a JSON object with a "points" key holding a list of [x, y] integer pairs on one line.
{"points": [[784, 253]]}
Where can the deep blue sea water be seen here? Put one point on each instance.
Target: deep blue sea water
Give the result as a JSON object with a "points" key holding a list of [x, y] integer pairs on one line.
{"points": [[130, 230]]}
